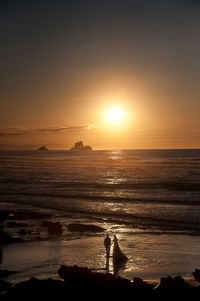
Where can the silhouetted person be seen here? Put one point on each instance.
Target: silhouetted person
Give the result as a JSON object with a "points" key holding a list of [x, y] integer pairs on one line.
{"points": [[119, 259], [117, 253], [107, 244]]}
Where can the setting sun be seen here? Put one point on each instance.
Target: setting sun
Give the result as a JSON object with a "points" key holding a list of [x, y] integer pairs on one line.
{"points": [[115, 115]]}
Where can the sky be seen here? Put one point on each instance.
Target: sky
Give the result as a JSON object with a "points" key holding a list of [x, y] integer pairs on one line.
{"points": [[64, 64]]}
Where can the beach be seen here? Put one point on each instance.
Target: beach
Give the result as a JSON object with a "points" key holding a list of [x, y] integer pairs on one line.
{"points": [[37, 267], [149, 256], [42, 259]]}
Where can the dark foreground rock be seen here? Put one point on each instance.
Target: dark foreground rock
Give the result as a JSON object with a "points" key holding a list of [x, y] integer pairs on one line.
{"points": [[4, 285], [6, 273], [170, 283], [77, 227], [34, 288], [176, 289], [84, 277], [80, 282], [196, 275], [140, 284], [54, 228]]}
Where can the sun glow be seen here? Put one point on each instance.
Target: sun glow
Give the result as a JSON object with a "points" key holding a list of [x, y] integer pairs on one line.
{"points": [[115, 115]]}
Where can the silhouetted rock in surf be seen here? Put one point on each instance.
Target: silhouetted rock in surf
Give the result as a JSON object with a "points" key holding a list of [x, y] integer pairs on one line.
{"points": [[23, 215], [54, 228], [76, 227], [80, 146], [6, 238], [22, 232], [3, 215], [43, 148]]}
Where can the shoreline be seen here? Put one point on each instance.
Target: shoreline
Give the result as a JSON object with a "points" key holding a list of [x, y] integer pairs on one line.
{"points": [[42, 251]]}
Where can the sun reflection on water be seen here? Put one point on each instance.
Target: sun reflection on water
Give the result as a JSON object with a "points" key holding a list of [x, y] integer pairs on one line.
{"points": [[115, 155]]}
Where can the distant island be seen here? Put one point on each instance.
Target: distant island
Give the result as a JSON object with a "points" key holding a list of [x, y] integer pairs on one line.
{"points": [[42, 148], [80, 146]]}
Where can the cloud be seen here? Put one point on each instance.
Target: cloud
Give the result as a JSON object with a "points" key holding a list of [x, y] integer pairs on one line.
{"points": [[16, 131]]}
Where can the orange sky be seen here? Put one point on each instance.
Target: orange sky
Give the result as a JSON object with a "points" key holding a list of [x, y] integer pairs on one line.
{"points": [[64, 67]]}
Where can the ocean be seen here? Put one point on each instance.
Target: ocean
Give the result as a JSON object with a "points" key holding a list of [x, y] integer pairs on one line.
{"points": [[136, 194]]}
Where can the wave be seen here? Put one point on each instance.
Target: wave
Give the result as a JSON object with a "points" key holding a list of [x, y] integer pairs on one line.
{"points": [[169, 185], [135, 221], [107, 199]]}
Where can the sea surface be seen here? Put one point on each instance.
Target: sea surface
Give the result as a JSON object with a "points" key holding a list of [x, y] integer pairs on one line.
{"points": [[132, 193]]}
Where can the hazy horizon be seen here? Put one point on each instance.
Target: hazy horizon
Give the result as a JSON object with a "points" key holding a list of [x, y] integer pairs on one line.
{"points": [[53, 148]]}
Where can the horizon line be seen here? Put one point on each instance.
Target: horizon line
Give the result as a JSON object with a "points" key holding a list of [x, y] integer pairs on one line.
{"points": [[106, 149]]}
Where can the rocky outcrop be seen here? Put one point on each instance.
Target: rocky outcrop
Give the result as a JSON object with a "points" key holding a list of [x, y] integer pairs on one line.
{"points": [[141, 284], [53, 228], [42, 148], [196, 275], [77, 227], [81, 280], [23, 215], [84, 277], [22, 232], [3, 215], [80, 146], [4, 285], [6, 238], [169, 283], [6, 273], [32, 289]]}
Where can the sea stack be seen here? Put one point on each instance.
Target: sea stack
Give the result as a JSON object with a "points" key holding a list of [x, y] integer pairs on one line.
{"points": [[80, 146], [42, 148]]}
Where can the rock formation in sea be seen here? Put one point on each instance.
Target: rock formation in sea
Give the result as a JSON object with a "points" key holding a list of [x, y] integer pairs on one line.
{"points": [[77, 227], [80, 146], [43, 148], [53, 227]]}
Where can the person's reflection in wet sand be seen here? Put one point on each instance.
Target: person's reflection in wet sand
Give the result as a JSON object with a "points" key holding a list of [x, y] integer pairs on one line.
{"points": [[118, 266], [107, 264]]}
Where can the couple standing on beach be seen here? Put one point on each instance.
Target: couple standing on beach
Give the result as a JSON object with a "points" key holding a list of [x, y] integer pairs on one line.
{"points": [[117, 253]]}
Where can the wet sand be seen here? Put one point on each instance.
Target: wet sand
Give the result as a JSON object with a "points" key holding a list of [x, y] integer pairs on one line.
{"points": [[42, 258]]}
